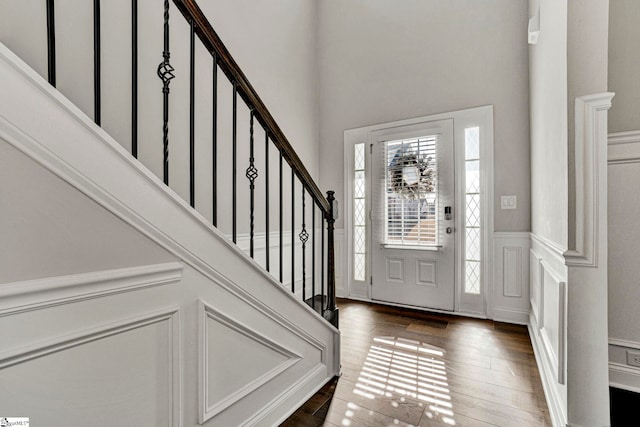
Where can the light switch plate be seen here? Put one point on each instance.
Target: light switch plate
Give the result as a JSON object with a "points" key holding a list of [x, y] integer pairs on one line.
{"points": [[508, 202]]}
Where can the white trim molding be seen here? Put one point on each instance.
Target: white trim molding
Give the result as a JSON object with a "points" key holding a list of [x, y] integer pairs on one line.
{"points": [[511, 282], [624, 147], [18, 297], [171, 316], [622, 375], [207, 312], [475, 305], [590, 145]]}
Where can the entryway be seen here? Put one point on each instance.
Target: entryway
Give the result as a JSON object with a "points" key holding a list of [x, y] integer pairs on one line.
{"points": [[419, 215]]}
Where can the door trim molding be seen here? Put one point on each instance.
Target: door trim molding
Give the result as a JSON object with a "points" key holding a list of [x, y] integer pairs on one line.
{"points": [[482, 116]]}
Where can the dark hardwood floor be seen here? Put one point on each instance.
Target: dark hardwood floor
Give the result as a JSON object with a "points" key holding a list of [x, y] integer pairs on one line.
{"points": [[409, 368]]}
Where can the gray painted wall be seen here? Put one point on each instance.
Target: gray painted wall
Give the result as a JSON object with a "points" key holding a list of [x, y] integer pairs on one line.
{"points": [[624, 64], [548, 93], [383, 61]]}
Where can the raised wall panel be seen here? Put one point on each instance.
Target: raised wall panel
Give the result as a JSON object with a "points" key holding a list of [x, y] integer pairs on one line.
{"points": [[510, 293], [395, 270], [535, 268], [127, 371], [235, 361], [426, 273], [553, 327], [512, 271]]}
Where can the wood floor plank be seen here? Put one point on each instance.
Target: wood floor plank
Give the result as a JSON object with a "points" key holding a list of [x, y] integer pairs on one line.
{"points": [[414, 368]]}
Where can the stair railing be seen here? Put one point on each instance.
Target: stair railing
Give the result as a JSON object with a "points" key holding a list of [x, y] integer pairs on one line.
{"points": [[321, 300]]}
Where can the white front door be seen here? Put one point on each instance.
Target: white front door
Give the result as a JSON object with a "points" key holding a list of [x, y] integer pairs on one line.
{"points": [[412, 210]]}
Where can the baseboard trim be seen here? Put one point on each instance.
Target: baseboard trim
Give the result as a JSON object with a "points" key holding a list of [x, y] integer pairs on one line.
{"points": [[509, 315], [556, 408]]}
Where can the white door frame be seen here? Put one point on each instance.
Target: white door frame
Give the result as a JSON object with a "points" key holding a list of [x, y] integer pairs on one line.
{"points": [[470, 305]]}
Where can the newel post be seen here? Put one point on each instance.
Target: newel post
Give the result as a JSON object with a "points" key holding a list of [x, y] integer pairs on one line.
{"points": [[331, 313]]}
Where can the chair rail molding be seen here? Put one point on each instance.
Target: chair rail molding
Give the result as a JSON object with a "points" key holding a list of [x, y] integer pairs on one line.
{"points": [[624, 147], [36, 294], [590, 169]]}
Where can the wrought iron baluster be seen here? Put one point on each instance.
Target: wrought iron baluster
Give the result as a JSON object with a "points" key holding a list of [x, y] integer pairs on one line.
{"points": [[313, 255], [165, 72], [214, 141], [192, 114], [252, 175], [304, 236], [96, 63], [235, 161], [134, 78], [293, 231], [51, 42], [266, 196], [281, 260], [322, 255], [331, 277]]}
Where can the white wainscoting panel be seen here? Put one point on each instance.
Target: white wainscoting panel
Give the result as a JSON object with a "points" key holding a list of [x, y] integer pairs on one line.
{"points": [[536, 273], [547, 322], [623, 168], [235, 360], [510, 291], [129, 370], [621, 375]]}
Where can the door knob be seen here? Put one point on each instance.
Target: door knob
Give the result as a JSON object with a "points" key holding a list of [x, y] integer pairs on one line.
{"points": [[449, 230]]}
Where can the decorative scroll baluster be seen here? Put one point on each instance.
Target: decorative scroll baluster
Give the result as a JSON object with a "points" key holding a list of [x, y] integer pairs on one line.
{"points": [[214, 141], [165, 72], [192, 114], [235, 162], [266, 197], [96, 63], [252, 175], [134, 78], [281, 225], [304, 236], [51, 42]]}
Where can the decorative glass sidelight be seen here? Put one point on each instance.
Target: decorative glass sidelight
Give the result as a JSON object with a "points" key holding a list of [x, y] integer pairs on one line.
{"points": [[411, 199], [472, 241], [359, 214]]}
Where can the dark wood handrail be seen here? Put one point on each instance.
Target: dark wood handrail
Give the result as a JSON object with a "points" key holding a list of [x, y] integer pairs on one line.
{"points": [[192, 12]]}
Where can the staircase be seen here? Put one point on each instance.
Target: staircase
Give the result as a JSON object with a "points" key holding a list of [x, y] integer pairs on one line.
{"points": [[166, 257]]}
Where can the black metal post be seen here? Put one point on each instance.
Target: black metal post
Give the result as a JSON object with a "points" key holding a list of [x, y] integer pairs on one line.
{"points": [[96, 63], [165, 72], [252, 174], [281, 260], [331, 313], [266, 196], [51, 42], [192, 115], [304, 236], [235, 162], [293, 232], [214, 141], [313, 255], [134, 78]]}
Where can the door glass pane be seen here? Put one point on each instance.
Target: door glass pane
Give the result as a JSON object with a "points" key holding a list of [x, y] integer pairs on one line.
{"points": [[411, 178], [472, 246], [359, 213]]}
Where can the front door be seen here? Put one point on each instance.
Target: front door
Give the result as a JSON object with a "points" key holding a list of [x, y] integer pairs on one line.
{"points": [[412, 233]]}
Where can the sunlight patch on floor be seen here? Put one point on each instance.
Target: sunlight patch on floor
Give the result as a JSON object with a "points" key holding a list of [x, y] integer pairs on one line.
{"points": [[397, 369]]}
